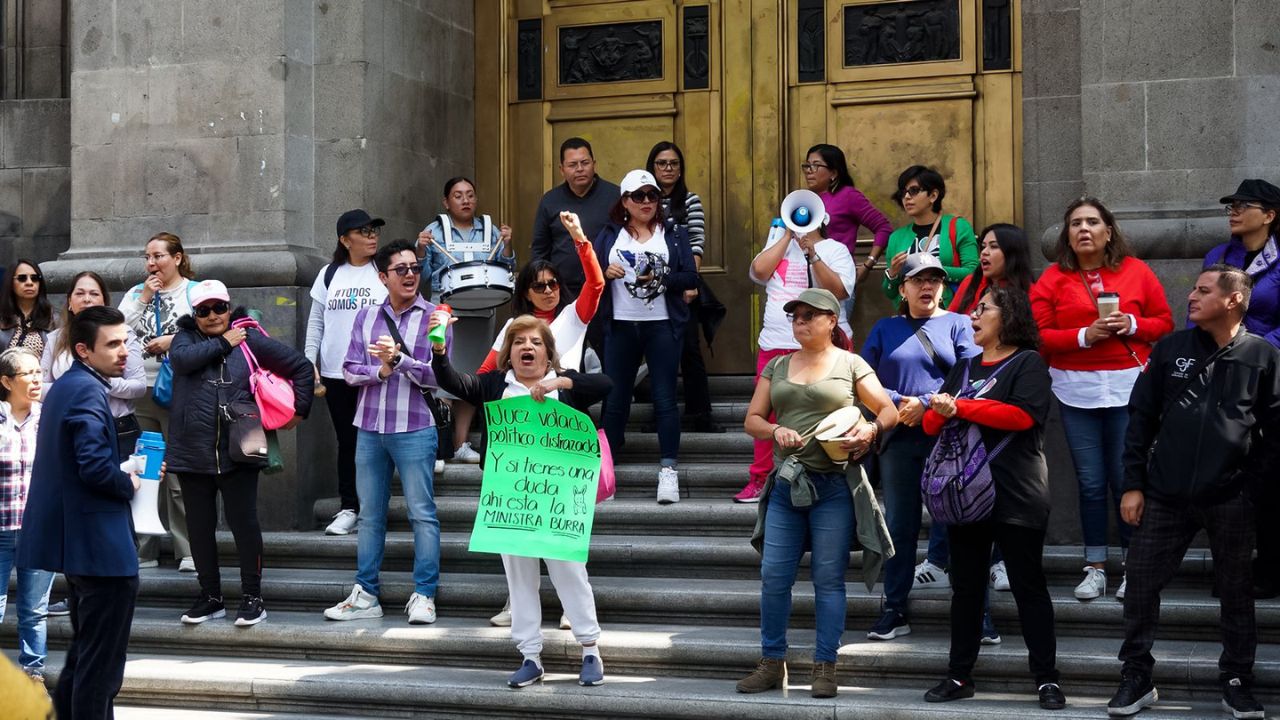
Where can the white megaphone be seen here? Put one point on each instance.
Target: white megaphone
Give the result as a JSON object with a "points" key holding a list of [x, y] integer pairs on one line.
{"points": [[803, 212], [146, 499]]}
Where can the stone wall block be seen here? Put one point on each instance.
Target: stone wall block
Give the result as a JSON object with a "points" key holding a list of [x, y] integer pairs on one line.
{"points": [[339, 31], [92, 185], [1043, 204], [1205, 186], [1261, 110], [1093, 44], [189, 176], [42, 20], [111, 106], [1197, 123], [340, 103], [1167, 39], [37, 133], [1257, 42], [1113, 127], [1050, 65], [340, 166], [210, 30], [43, 72], [90, 33], [260, 172], [46, 201], [260, 28], [10, 204], [1149, 190], [395, 17], [299, 30], [138, 32], [1053, 125]]}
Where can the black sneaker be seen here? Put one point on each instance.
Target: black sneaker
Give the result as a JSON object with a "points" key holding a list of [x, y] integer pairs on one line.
{"points": [[58, 609], [207, 607], [1237, 699], [251, 611], [1051, 697], [704, 424], [949, 689], [890, 625], [1135, 692]]}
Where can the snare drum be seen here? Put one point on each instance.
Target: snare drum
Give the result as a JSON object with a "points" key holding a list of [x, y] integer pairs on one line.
{"points": [[477, 285]]}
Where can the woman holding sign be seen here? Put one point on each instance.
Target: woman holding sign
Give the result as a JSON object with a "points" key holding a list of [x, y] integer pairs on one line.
{"points": [[810, 501], [529, 365]]}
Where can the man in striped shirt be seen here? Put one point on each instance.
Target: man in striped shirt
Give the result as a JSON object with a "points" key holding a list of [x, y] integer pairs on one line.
{"points": [[395, 432]]}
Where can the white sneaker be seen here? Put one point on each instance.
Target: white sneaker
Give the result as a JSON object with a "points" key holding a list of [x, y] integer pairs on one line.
{"points": [[466, 454], [420, 609], [930, 577], [503, 618], [1093, 585], [999, 577], [1124, 581], [564, 623], [187, 565], [344, 522], [668, 486], [439, 468], [358, 605]]}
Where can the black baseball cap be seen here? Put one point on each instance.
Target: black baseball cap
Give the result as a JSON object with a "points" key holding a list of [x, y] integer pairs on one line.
{"points": [[352, 219], [1259, 191]]}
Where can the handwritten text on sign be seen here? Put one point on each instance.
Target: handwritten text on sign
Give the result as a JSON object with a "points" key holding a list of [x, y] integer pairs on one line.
{"points": [[537, 498]]}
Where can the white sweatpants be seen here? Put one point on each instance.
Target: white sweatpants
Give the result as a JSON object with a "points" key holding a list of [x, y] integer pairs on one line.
{"points": [[524, 578]]}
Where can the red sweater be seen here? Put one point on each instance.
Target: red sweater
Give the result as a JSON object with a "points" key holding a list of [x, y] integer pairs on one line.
{"points": [[992, 413], [1062, 306]]}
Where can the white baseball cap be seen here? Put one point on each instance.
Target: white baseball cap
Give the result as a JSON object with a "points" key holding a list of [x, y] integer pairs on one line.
{"points": [[207, 290], [637, 179]]}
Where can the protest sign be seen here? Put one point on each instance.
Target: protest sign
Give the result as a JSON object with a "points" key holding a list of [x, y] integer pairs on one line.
{"points": [[537, 497]]}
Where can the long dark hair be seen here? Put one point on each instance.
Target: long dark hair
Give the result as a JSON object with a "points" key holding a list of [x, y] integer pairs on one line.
{"points": [[10, 315], [834, 158], [1117, 249], [679, 191], [520, 304], [64, 341], [1018, 272]]}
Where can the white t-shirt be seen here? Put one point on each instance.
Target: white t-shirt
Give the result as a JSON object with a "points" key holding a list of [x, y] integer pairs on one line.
{"points": [[569, 332], [790, 279], [351, 289], [633, 255]]}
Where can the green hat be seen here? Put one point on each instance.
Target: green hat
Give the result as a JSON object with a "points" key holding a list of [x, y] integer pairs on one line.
{"points": [[815, 298]]}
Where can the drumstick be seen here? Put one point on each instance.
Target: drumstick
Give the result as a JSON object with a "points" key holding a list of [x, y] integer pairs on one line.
{"points": [[452, 259], [494, 252]]}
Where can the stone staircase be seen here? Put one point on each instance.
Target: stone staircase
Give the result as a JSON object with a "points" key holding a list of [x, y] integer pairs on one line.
{"points": [[677, 590]]}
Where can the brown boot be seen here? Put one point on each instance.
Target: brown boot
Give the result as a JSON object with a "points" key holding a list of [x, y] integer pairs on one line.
{"points": [[770, 674], [824, 680]]}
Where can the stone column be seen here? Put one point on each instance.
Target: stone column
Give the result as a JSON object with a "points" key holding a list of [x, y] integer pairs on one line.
{"points": [[246, 127]]}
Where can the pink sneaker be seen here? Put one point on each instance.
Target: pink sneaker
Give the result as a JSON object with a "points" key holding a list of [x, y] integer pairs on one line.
{"points": [[750, 493]]}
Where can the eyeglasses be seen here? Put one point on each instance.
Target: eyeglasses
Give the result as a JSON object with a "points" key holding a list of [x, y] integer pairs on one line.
{"points": [[156, 257], [912, 191], [812, 166], [644, 196], [24, 277], [214, 308], [544, 286], [925, 280], [667, 164], [1236, 208], [982, 308], [806, 316], [403, 270], [369, 231]]}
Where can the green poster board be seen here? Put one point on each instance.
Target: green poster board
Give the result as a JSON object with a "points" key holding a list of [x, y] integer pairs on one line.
{"points": [[541, 466]]}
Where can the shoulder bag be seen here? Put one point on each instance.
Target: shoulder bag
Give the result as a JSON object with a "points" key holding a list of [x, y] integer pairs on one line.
{"points": [[441, 414], [273, 394], [162, 391]]}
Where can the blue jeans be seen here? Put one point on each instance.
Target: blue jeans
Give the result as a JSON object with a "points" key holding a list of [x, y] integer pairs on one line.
{"points": [[33, 602], [826, 530], [901, 465], [414, 455], [654, 342], [1096, 439]]}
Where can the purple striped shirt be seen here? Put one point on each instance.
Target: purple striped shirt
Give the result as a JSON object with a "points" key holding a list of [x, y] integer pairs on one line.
{"points": [[393, 405]]}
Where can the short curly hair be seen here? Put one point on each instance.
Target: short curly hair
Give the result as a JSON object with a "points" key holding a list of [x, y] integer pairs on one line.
{"points": [[1017, 324]]}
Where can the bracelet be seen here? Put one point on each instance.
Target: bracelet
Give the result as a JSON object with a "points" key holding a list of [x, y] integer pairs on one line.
{"points": [[776, 428], [870, 263]]}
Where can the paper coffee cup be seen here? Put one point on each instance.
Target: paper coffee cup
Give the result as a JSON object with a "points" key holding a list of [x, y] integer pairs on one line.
{"points": [[1108, 302]]}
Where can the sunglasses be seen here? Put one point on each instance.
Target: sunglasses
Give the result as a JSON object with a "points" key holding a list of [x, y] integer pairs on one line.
{"points": [[214, 308], [644, 196], [24, 277], [912, 191], [403, 270], [805, 316], [543, 286]]}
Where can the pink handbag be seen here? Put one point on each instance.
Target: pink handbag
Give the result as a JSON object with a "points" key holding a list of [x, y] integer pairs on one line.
{"points": [[273, 393], [608, 481]]}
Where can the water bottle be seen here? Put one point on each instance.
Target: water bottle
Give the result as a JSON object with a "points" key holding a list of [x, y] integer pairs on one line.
{"points": [[437, 334], [776, 229]]}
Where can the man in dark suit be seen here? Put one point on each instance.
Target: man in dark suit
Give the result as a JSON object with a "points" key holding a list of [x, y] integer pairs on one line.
{"points": [[78, 520]]}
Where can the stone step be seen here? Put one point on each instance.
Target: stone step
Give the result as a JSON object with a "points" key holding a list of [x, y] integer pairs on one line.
{"points": [[727, 447], [629, 555], [712, 480], [138, 712], [387, 691], [1188, 614], [727, 411], [621, 516], [1184, 668]]}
